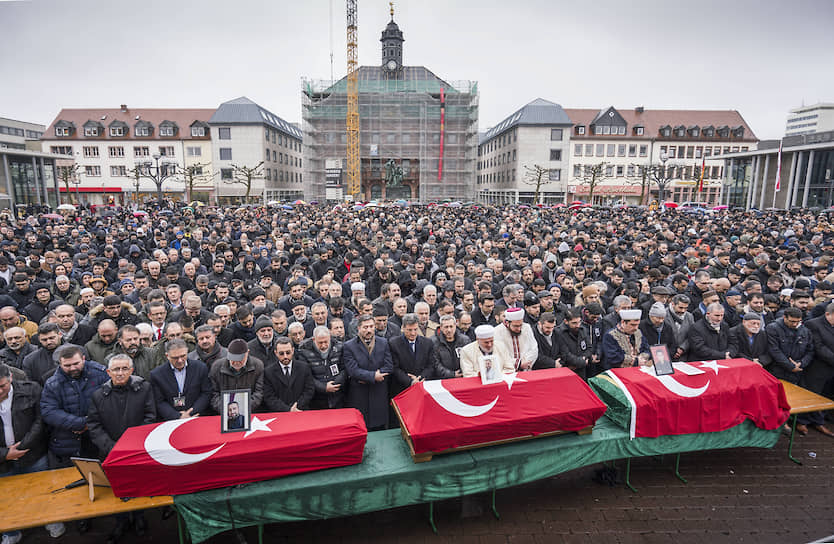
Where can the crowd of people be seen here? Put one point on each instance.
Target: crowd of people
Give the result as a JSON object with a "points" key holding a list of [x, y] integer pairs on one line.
{"points": [[111, 322]]}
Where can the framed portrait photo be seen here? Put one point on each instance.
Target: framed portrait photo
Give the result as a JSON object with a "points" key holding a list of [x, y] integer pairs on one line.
{"points": [[662, 361], [489, 369], [236, 414]]}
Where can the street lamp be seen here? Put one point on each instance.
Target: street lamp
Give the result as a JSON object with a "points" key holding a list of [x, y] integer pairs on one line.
{"points": [[661, 178], [156, 173]]}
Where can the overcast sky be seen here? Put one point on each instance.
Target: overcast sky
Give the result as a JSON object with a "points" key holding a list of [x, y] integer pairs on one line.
{"points": [[761, 58]]}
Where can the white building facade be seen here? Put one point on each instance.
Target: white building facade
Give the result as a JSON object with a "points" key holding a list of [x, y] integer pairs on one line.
{"points": [[810, 119], [251, 144]]}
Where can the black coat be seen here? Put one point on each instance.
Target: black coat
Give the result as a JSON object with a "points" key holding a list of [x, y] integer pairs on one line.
{"points": [[27, 425], [786, 343], [705, 343], [264, 353], [667, 336], [739, 345], [364, 392], [281, 392], [197, 390], [81, 335], [114, 409], [418, 362], [821, 369], [548, 351], [445, 358], [39, 365], [575, 349], [322, 367]]}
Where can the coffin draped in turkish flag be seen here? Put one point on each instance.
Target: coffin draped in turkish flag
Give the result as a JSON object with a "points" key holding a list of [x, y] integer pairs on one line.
{"points": [[188, 455], [444, 414], [725, 394]]}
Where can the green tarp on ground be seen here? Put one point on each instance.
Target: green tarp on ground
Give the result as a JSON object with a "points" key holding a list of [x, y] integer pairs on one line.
{"points": [[388, 478]]}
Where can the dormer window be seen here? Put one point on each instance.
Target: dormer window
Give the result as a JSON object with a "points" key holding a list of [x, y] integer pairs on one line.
{"points": [[143, 129], [198, 131], [738, 132], [724, 131], [168, 129], [118, 129], [666, 131], [694, 131], [93, 129], [680, 131], [61, 131], [90, 131], [708, 131], [638, 130], [580, 129]]}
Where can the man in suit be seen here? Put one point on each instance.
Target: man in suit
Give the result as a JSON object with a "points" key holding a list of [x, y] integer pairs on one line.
{"points": [[288, 385], [709, 338], [749, 341], [368, 361], [411, 354], [182, 388]]}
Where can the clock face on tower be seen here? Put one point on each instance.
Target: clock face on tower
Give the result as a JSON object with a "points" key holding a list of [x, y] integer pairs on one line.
{"points": [[391, 65]]}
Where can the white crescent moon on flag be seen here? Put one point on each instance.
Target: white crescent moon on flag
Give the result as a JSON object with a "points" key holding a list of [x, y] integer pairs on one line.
{"points": [[158, 445], [448, 402], [675, 386]]}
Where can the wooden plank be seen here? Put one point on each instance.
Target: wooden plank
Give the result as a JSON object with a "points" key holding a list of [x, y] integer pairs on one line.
{"points": [[33, 500], [803, 401]]}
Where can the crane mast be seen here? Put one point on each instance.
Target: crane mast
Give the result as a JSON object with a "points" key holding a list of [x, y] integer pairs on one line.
{"points": [[352, 120]]}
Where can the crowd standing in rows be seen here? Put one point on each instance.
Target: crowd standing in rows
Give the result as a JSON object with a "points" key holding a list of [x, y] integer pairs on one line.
{"points": [[111, 322]]}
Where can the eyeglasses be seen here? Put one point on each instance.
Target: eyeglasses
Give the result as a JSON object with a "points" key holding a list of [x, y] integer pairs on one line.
{"points": [[120, 369]]}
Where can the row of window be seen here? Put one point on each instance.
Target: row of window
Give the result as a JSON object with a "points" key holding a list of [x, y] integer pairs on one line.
{"points": [[504, 139], [116, 151], [281, 175], [630, 171], [609, 150], [122, 171], [696, 152], [281, 158], [500, 177], [141, 130], [282, 139], [22, 133]]}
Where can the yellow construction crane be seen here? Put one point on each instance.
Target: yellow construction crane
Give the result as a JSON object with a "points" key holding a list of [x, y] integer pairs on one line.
{"points": [[354, 178]]}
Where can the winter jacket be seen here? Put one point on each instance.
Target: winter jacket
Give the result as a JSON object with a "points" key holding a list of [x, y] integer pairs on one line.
{"points": [[445, 358], [99, 351], [223, 378], [325, 367], [64, 406], [27, 425], [114, 409]]}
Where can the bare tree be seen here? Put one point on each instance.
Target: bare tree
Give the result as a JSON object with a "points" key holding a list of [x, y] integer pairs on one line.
{"points": [[536, 175], [245, 175], [641, 174], [592, 175], [191, 175], [67, 173], [662, 176]]}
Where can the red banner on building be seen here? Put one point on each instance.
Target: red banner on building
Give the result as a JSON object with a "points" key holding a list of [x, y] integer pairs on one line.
{"points": [[444, 414], [702, 397], [188, 455]]}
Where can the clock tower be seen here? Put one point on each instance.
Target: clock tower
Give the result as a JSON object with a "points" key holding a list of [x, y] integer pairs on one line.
{"points": [[392, 48]]}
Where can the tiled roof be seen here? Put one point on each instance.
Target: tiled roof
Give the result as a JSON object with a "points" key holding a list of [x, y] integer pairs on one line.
{"points": [[652, 120], [183, 117], [243, 111]]}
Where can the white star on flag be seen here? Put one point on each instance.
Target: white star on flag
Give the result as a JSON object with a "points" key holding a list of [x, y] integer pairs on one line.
{"points": [[258, 425], [510, 378], [712, 365]]}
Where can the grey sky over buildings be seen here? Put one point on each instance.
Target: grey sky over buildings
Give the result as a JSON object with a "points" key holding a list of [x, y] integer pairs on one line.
{"points": [[761, 58]]}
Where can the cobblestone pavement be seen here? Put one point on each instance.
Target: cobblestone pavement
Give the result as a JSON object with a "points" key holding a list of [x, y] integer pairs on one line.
{"points": [[739, 495]]}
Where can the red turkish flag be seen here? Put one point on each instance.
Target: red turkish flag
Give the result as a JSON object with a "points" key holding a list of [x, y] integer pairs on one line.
{"points": [[723, 394], [188, 455], [444, 414]]}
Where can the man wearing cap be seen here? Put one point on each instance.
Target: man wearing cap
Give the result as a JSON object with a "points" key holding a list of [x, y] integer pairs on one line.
{"points": [[656, 332], [748, 340], [112, 307], [239, 369], [484, 344], [624, 345], [532, 309], [182, 388], [516, 338], [709, 337], [732, 307], [661, 294], [262, 346]]}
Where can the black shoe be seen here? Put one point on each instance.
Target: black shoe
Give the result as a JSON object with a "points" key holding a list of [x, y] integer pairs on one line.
{"points": [[118, 531], [83, 525], [140, 525]]}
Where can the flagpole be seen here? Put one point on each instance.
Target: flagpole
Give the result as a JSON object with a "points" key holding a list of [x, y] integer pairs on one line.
{"points": [[778, 185]]}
